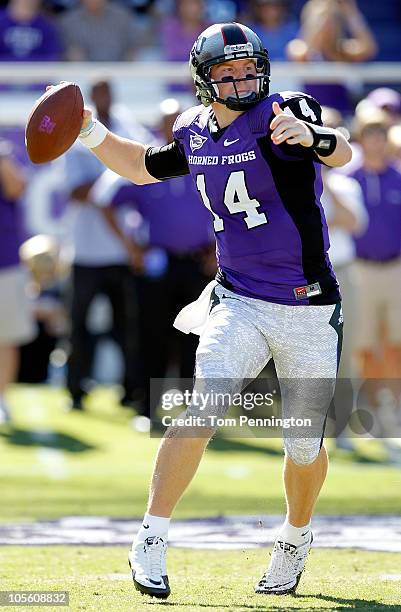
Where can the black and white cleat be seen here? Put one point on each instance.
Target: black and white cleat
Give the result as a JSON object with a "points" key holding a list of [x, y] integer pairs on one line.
{"points": [[285, 568], [147, 561]]}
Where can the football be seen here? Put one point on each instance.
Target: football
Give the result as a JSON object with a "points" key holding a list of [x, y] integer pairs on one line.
{"points": [[54, 123]]}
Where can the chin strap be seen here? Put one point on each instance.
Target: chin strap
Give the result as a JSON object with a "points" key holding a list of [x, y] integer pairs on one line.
{"points": [[240, 104]]}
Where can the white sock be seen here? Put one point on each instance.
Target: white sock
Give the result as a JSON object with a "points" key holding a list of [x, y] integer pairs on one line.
{"points": [[153, 526], [294, 535]]}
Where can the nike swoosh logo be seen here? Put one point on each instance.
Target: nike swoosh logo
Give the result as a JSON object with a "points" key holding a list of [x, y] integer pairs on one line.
{"points": [[145, 526], [281, 585], [227, 143], [155, 582]]}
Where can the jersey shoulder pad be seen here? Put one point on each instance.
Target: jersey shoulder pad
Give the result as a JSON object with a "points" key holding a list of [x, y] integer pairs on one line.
{"points": [[186, 119], [298, 103], [259, 115], [302, 105]]}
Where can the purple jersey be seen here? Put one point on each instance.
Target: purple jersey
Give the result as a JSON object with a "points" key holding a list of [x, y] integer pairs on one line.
{"points": [[10, 226], [35, 40], [175, 219], [382, 199], [271, 233]]}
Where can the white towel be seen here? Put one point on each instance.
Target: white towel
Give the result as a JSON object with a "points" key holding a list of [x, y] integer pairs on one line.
{"points": [[193, 317]]}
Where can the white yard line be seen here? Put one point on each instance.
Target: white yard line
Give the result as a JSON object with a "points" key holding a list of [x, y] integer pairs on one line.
{"points": [[376, 533]]}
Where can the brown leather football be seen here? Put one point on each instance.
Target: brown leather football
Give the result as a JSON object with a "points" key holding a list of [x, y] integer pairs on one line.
{"points": [[54, 123]]}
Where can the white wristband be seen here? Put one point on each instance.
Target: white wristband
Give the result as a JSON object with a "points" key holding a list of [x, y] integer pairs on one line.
{"points": [[93, 135]]}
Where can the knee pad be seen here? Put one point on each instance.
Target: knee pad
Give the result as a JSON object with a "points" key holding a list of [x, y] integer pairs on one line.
{"points": [[302, 451]]}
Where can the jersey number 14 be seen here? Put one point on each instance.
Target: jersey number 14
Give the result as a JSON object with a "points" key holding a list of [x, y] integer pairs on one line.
{"points": [[236, 199]]}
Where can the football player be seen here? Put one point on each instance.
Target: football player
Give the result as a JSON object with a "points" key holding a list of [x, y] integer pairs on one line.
{"points": [[254, 157]]}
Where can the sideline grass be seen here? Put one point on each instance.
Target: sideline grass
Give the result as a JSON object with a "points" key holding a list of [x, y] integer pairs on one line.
{"points": [[56, 464], [97, 578]]}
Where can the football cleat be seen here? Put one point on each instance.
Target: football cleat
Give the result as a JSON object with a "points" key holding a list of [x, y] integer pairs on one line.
{"points": [[147, 561], [286, 566]]}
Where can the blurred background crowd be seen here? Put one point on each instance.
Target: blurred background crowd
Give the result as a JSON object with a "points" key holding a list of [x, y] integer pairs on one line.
{"points": [[79, 30], [94, 269]]}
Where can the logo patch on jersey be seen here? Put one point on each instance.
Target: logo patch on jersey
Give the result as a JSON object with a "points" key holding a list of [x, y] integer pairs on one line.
{"points": [[308, 291], [324, 144], [227, 143], [214, 160], [196, 141]]}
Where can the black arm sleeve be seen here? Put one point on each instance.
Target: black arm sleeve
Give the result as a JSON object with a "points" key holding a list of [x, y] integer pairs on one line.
{"points": [[167, 161]]}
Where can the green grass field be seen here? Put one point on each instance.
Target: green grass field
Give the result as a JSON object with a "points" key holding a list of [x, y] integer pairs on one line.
{"points": [[56, 464], [98, 579]]}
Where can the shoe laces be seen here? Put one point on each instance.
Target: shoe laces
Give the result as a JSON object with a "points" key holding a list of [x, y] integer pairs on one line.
{"points": [[154, 548]]}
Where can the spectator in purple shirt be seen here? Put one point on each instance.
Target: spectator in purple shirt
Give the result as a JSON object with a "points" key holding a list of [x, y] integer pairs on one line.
{"points": [[26, 35], [178, 32], [378, 264], [16, 326]]}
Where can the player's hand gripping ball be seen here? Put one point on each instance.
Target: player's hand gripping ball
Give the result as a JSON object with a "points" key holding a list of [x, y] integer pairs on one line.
{"points": [[54, 122]]}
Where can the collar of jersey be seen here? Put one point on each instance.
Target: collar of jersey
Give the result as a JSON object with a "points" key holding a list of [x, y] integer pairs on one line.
{"points": [[216, 132]]}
